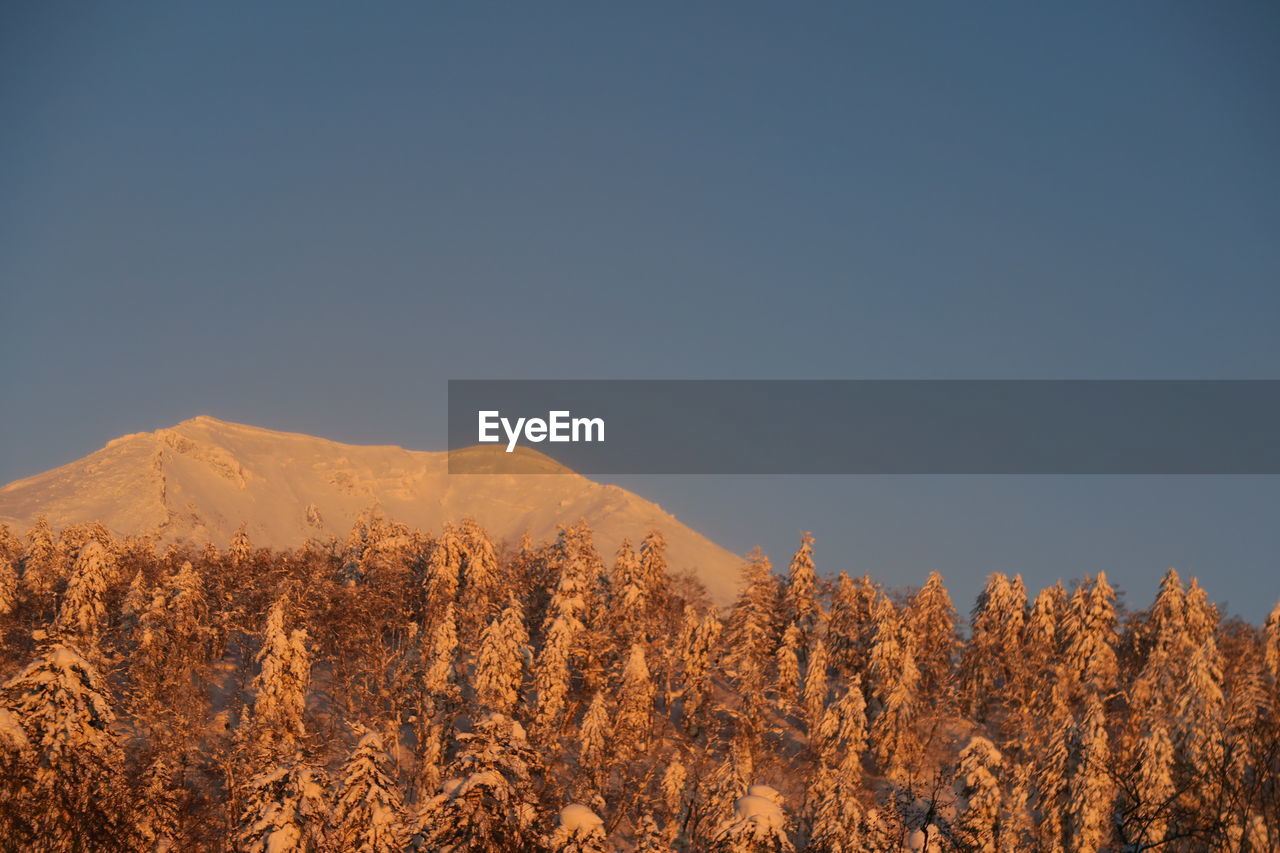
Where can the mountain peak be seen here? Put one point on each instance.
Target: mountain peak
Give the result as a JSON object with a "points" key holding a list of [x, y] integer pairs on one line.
{"points": [[202, 478]]}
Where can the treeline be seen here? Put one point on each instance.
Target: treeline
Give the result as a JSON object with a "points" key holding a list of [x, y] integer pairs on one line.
{"points": [[402, 691]]}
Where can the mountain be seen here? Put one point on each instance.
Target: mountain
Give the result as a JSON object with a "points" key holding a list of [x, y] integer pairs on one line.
{"points": [[198, 481]]}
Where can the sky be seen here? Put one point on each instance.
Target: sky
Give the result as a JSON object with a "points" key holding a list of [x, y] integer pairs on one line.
{"points": [[311, 216]]}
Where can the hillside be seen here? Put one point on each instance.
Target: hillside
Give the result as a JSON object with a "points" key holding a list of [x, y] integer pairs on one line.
{"points": [[198, 481]]}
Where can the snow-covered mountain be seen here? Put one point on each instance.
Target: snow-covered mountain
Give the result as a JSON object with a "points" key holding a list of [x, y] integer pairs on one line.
{"points": [[198, 481]]}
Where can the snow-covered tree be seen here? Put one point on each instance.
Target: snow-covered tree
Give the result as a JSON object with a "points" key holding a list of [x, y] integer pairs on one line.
{"points": [[500, 665], [931, 619], [1162, 673], [8, 585], [1155, 788], [443, 572], [649, 836], [83, 615], [69, 783], [1200, 716], [440, 657], [157, 809], [1271, 634], [595, 735], [653, 570], [273, 726], [562, 636], [42, 559], [787, 661], [285, 810], [836, 823], [1052, 755], [800, 594], [578, 830], [629, 597], [240, 551], [758, 825], [895, 683], [1090, 632], [752, 632], [480, 578], [675, 781], [993, 650], [698, 656], [1090, 795], [369, 814], [977, 826], [486, 804], [816, 686], [851, 627], [842, 734], [635, 704]]}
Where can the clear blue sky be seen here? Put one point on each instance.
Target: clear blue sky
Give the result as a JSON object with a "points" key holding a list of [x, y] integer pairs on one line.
{"points": [[310, 217]]}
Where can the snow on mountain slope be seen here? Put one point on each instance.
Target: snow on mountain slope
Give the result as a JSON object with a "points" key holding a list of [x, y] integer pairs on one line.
{"points": [[199, 480]]}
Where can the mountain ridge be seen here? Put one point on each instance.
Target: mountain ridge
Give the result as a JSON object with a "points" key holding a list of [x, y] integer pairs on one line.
{"points": [[198, 480]]}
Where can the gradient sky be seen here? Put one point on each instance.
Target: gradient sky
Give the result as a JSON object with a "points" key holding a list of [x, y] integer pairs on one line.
{"points": [[310, 217]]}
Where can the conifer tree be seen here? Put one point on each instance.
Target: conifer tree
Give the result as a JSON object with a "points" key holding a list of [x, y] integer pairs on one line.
{"points": [[438, 698], [1052, 753], [1164, 669], [440, 661], [649, 837], [1156, 789], [481, 581], [842, 734], [630, 596], [931, 619], [1090, 793], [444, 572], [653, 570], [674, 781], [561, 645], [788, 667], [977, 827], [273, 726], [137, 597], [82, 617], [285, 810], [1200, 715], [816, 687], [758, 825], [700, 654], [895, 683], [989, 658], [369, 813], [240, 551], [1202, 614], [594, 737], [635, 704], [751, 635], [1271, 634], [41, 562], [157, 814], [1018, 829], [69, 785], [504, 651], [836, 825], [8, 585], [800, 595], [1090, 632], [487, 805]]}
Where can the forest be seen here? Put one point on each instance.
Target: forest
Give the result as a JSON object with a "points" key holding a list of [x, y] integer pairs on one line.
{"points": [[403, 691]]}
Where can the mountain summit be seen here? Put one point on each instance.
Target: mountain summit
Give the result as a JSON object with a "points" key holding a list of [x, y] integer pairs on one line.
{"points": [[198, 481]]}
